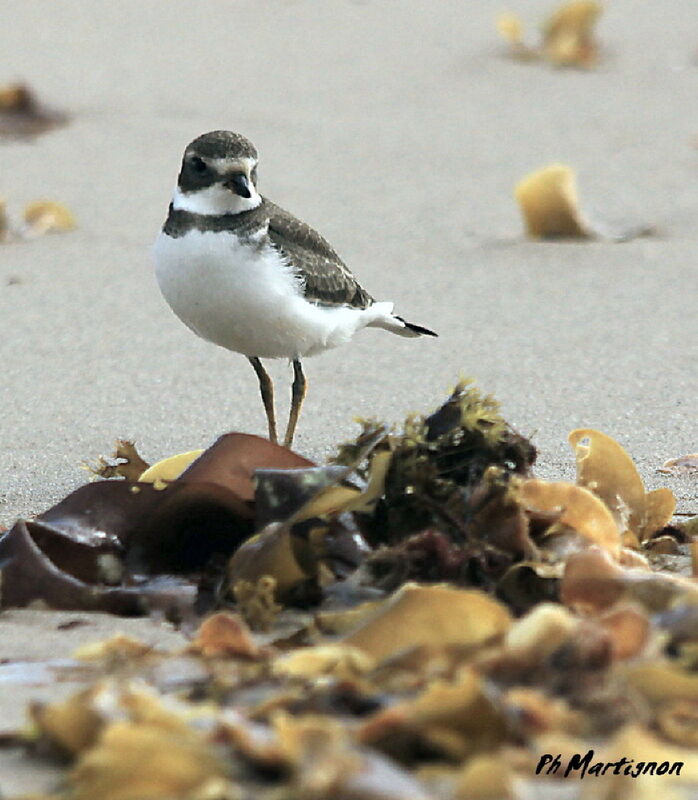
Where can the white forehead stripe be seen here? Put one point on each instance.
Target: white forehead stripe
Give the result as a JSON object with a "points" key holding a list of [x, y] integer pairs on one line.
{"points": [[222, 165]]}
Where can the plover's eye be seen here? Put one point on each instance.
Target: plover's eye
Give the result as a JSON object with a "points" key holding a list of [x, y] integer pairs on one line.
{"points": [[198, 165]]}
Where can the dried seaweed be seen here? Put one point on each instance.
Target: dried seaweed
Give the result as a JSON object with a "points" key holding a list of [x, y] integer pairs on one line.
{"points": [[112, 545], [23, 116], [567, 39], [438, 461], [45, 216], [687, 464], [550, 209], [492, 617], [608, 471], [224, 634], [256, 601], [125, 462], [38, 218]]}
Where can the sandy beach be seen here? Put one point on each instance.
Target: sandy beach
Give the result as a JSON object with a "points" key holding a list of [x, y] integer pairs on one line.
{"points": [[399, 131]]}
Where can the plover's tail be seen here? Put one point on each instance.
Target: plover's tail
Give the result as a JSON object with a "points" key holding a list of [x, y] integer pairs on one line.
{"points": [[411, 329], [384, 318]]}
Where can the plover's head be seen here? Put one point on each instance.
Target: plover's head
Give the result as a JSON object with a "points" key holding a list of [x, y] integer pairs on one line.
{"points": [[218, 175]]}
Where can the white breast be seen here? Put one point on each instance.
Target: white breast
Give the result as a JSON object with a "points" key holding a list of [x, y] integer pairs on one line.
{"points": [[246, 298]]}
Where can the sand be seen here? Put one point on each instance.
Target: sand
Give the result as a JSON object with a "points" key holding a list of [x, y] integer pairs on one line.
{"points": [[399, 131]]}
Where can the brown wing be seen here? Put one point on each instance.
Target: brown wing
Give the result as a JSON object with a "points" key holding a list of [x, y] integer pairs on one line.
{"points": [[326, 278]]}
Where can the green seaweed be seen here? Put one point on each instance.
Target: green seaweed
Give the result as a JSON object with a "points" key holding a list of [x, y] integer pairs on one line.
{"points": [[437, 461]]}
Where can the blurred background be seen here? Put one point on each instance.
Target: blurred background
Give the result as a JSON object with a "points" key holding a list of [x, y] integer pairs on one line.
{"points": [[398, 129]]}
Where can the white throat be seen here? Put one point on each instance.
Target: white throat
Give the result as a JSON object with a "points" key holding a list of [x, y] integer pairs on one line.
{"points": [[214, 200]]}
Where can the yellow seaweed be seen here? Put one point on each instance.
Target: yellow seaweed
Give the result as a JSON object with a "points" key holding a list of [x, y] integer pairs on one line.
{"points": [[430, 615], [145, 760], [43, 216], [169, 469], [578, 508], [224, 634], [567, 39], [606, 469], [340, 661], [542, 630], [568, 35], [549, 204]]}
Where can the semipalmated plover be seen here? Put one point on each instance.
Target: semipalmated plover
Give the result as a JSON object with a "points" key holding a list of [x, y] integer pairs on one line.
{"points": [[246, 275]]}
